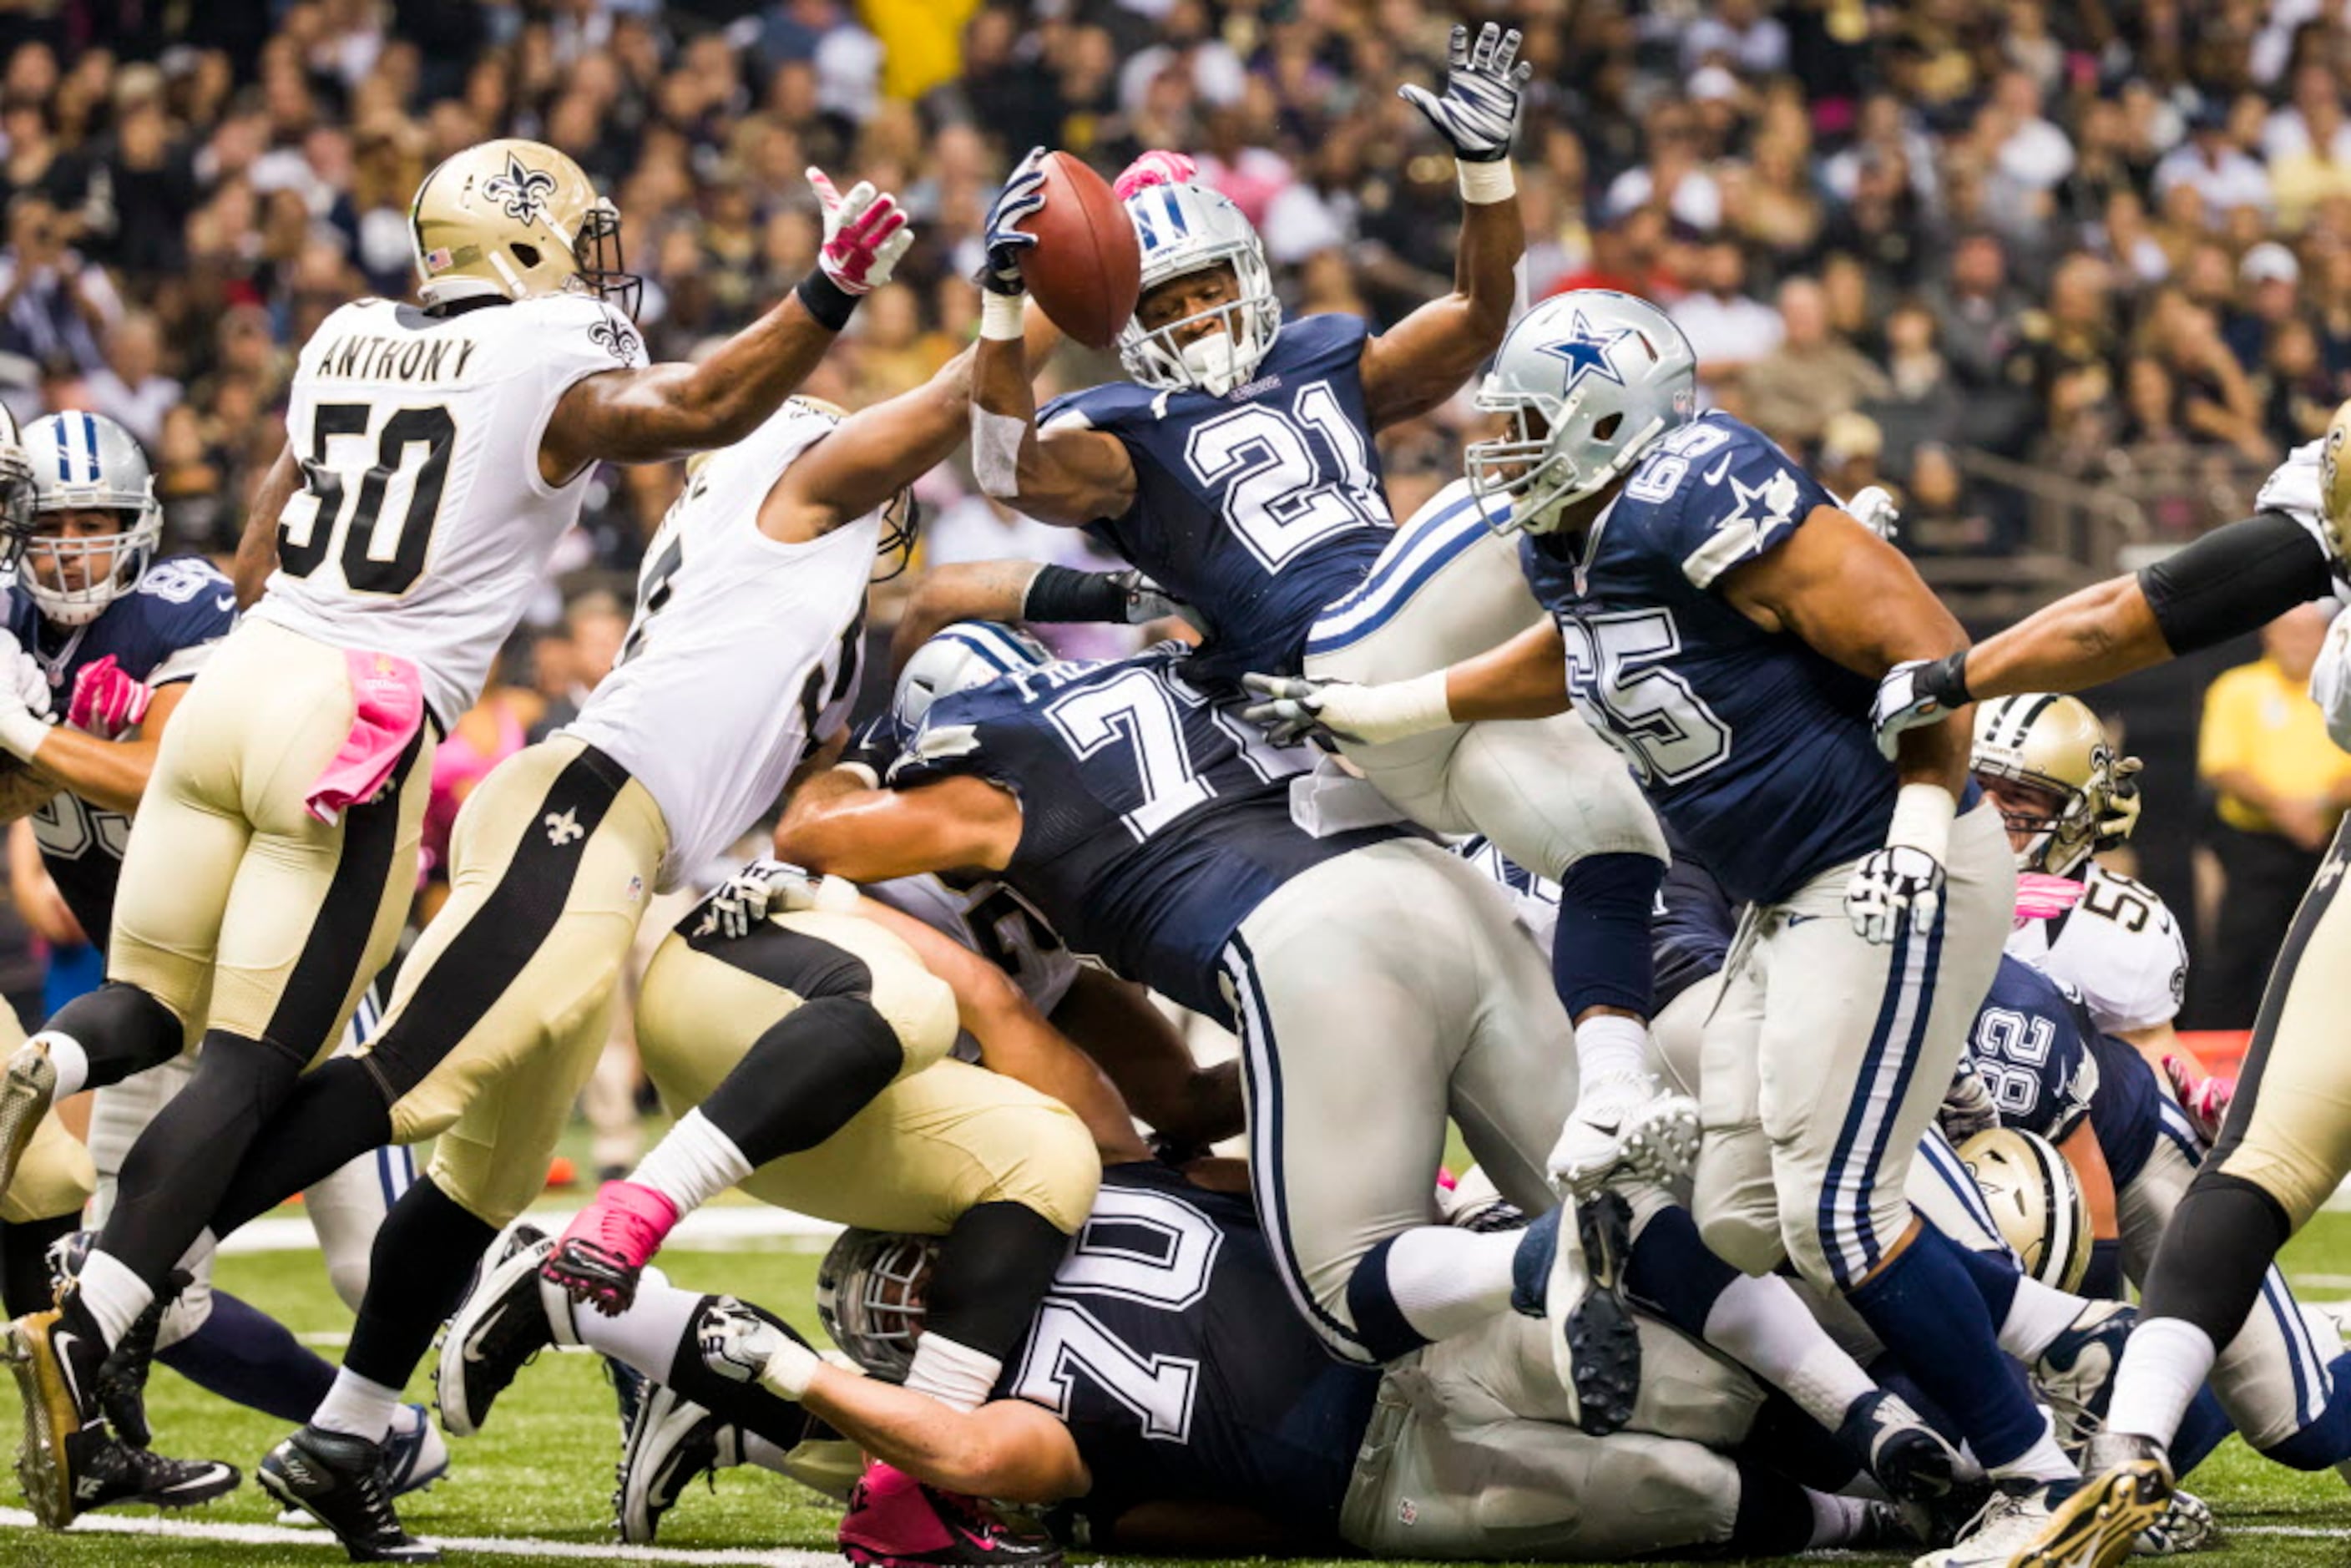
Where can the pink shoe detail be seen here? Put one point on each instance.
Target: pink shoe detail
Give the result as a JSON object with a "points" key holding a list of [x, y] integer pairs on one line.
{"points": [[608, 1244], [896, 1521]]}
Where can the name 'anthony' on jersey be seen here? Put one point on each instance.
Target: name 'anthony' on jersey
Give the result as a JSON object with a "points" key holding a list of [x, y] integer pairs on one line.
{"points": [[1259, 508]]}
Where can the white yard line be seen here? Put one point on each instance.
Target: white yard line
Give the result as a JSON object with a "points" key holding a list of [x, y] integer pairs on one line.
{"points": [[556, 1550], [723, 1228], [2295, 1531]]}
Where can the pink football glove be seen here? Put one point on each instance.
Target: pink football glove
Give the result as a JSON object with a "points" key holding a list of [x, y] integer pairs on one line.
{"points": [[865, 233], [106, 700], [2206, 1102], [1157, 167]]}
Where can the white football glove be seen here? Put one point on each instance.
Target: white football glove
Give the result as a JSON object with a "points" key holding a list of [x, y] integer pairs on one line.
{"points": [[766, 887], [1916, 692], [1298, 706], [1889, 886], [1873, 509], [1478, 111], [24, 672], [1968, 1106], [24, 701]]}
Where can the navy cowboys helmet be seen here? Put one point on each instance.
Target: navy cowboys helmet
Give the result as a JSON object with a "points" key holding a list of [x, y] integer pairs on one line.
{"points": [[1590, 380], [1184, 229], [966, 655], [83, 464]]}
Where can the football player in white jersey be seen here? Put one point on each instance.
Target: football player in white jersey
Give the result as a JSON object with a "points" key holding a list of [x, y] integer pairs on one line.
{"points": [[2286, 1142], [441, 450]]}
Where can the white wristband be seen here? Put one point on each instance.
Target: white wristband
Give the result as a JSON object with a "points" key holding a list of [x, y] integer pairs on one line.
{"points": [[1922, 821], [789, 1369], [1000, 316], [21, 733], [1483, 184], [1377, 714], [836, 895], [861, 772]]}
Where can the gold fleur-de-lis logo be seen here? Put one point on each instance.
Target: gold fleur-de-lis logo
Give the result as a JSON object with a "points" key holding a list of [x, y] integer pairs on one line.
{"points": [[562, 828], [520, 193]]}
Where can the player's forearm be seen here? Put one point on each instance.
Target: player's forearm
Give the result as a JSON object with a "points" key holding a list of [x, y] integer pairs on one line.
{"points": [[931, 1441], [256, 547], [966, 591], [1937, 754], [1526, 678], [112, 774], [1007, 458], [2099, 633], [731, 394], [1485, 267]]}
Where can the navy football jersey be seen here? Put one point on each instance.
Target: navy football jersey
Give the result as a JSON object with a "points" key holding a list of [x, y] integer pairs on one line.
{"points": [[155, 634], [1153, 819], [1169, 1345], [1756, 750], [1257, 508], [2048, 1066]]}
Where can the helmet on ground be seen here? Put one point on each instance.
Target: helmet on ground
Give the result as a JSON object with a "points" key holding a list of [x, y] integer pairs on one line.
{"points": [[2049, 762], [1184, 229], [869, 1292], [83, 463], [2037, 1201], [516, 220], [1590, 380], [966, 655]]}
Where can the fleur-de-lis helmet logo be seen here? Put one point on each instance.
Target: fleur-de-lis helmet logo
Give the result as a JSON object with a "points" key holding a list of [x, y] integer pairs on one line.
{"points": [[520, 193]]}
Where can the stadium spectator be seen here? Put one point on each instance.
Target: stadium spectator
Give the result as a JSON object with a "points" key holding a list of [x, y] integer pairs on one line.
{"points": [[2282, 785], [1813, 374]]}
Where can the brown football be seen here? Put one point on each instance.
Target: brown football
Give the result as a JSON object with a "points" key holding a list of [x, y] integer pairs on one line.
{"points": [[1085, 268]]}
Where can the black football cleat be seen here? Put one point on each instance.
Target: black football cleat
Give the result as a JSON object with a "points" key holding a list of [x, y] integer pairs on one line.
{"points": [[511, 1315], [338, 1479], [107, 1472]]}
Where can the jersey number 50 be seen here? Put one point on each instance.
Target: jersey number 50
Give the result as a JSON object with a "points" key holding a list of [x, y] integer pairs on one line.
{"points": [[411, 449]]}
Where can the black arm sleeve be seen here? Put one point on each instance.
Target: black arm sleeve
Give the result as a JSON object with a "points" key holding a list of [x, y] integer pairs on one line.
{"points": [[2235, 580]]}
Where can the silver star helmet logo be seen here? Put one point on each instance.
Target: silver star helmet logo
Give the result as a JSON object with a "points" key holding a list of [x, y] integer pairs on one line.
{"points": [[520, 193]]}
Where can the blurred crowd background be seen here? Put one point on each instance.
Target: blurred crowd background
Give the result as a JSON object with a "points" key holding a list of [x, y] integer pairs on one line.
{"points": [[2068, 276]]}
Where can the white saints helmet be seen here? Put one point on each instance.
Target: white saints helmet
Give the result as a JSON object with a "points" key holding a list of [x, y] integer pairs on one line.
{"points": [[515, 220], [1184, 229], [2036, 1200], [2054, 769], [966, 655], [83, 463], [1590, 380]]}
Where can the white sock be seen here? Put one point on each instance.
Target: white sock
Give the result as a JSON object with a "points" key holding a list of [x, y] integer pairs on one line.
{"points": [[111, 1294], [358, 1406], [2165, 1361], [2044, 1462], [648, 1335], [693, 1164], [1609, 1043], [1835, 1520], [69, 1057], [954, 1375], [2037, 1315], [1764, 1326], [758, 1451], [1446, 1281]]}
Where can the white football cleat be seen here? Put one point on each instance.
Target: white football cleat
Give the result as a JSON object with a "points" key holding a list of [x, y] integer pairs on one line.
{"points": [[2009, 1526], [1625, 1124]]}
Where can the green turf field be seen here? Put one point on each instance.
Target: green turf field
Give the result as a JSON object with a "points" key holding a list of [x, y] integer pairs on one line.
{"points": [[540, 1476]]}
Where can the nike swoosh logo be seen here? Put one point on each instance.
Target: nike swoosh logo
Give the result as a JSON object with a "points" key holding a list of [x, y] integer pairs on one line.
{"points": [[1796, 919], [473, 1341], [228, 603], [1719, 470], [61, 1343]]}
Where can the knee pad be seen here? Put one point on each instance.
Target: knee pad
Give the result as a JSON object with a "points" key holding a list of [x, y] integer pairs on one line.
{"points": [[1735, 1202], [123, 1029]]}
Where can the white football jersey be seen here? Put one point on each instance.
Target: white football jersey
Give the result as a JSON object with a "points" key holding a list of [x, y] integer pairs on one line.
{"points": [[744, 649], [2119, 946], [2330, 681], [423, 525], [986, 917]]}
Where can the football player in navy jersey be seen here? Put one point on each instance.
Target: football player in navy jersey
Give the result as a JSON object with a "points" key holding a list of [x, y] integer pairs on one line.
{"points": [[1237, 471], [104, 637], [1723, 622]]}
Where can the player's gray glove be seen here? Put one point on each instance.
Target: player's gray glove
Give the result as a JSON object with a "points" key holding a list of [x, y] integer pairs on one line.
{"points": [[1889, 885], [1968, 1106], [1478, 111], [1873, 509], [1298, 707], [1023, 194], [1916, 692], [1145, 600], [2119, 819], [767, 887]]}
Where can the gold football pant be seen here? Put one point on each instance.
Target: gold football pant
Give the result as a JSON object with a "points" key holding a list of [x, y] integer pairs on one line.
{"points": [[500, 1012], [944, 1138], [230, 886], [56, 1176]]}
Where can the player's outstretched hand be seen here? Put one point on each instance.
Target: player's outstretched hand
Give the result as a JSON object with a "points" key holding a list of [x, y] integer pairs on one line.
{"points": [[1875, 509], [1023, 194], [1890, 883], [1915, 692], [767, 887], [1478, 111], [2119, 820], [865, 233]]}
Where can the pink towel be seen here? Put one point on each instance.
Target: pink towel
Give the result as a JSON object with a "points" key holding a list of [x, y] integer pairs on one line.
{"points": [[388, 698], [2040, 897]]}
